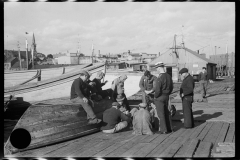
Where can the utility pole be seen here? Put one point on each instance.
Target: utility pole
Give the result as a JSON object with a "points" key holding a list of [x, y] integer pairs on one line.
{"points": [[19, 56], [27, 53], [92, 53]]}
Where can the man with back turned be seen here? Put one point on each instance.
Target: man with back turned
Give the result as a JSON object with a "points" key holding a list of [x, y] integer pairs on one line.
{"points": [[163, 87], [186, 94]]}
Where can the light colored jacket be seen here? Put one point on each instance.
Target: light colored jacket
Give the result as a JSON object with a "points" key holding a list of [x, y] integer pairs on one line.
{"points": [[141, 122]]}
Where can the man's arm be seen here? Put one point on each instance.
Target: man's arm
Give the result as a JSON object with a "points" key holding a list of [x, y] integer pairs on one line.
{"points": [[141, 83], [157, 88], [189, 86], [125, 118]]}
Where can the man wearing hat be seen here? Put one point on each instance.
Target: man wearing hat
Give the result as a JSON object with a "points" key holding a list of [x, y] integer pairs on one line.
{"points": [[142, 120], [121, 99], [146, 84], [114, 120], [117, 82], [80, 94], [203, 82], [186, 94], [99, 91], [163, 88]]}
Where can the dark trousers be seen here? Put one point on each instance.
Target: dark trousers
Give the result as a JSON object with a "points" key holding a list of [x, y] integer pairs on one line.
{"points": [[187, 111], [105, 93], [161, 104], [204, 85]]}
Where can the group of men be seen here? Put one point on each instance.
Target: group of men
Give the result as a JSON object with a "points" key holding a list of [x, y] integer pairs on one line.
{"points": [[155, 101]]}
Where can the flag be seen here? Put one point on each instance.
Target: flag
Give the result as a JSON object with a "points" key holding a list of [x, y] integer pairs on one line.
{"points": [[26, 32]]}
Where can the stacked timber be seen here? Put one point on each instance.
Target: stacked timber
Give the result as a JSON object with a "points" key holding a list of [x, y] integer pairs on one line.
{"points": [[225, 149]]}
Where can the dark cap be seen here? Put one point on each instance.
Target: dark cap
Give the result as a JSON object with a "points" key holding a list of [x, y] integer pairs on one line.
{"points": [[159, 64], [183, 70], [84, 72], [147, 73], [115, 104]]}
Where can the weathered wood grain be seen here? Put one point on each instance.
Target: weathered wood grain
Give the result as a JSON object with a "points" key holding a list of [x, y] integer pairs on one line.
{"points": [[190, 148], [205, 131], [213, 133], [203, 149], [221, 135], [230, 133]]}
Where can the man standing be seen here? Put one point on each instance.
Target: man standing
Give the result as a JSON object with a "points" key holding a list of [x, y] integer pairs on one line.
{"points": [[163, 88], [80, 94], [203, 82], [186, 94], [99, 91], [114, 120], [146, 84]]}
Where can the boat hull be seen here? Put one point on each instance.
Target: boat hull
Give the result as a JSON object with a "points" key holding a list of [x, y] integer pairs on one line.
{"points": [[49, 124], [55, 88]]}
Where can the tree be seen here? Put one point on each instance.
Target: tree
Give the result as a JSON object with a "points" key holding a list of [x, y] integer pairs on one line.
{"points": [[50, 56]]}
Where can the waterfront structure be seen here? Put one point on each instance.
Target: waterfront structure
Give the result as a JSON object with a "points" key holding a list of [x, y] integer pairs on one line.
{"points": [[187, 58], [225, 64]]}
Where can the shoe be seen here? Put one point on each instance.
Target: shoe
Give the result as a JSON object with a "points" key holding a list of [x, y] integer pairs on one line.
{"points": [[94, 121]]}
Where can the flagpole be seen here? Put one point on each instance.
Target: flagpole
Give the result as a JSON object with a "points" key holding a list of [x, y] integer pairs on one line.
{"points": [[27, 53], [19, 56], [92, 53]]}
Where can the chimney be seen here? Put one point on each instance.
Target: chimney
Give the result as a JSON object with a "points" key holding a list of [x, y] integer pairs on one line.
{"points": [[159, 54], [198, 51]]}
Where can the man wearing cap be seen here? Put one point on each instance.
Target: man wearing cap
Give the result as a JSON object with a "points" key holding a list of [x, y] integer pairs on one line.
{"points": [[163, 88], [142, 120], [80, 94], [118, 89], [203, 82], [146, 84], [121, 99], [114, 120], [99, 91], [186, 94]]}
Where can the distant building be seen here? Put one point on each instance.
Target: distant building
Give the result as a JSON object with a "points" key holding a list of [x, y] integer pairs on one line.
{"points": [[115, 66], [9, 62]]}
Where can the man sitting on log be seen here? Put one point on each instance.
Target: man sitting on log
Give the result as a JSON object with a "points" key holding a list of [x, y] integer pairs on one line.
{"points": [[80, 94], [114, 120], [99, 91]]}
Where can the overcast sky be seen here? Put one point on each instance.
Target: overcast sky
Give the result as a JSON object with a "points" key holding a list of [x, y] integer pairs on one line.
{"points": [[119, 27]]}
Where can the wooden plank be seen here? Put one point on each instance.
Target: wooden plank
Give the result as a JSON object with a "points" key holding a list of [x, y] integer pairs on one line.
{"points": [[191, 148], [198, 130], [225, 154], [161, 147], [126, 146], [226, 148], [106, 143], [213, 133], [230, 133], [203, 149], [150, 138], [176, 145], [233, 139], [44, 150], [178, 132], [74, 147], [221, 135], [147, 147], [134, 149], [205, 131]]}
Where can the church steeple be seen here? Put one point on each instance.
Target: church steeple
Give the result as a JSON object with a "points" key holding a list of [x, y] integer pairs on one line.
{"points": [[34, 46]]}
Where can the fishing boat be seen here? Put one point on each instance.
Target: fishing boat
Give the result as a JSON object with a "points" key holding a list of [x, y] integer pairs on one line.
{"points": [[46, 123]]}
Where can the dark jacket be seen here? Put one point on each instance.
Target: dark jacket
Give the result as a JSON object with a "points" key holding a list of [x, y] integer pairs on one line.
{"points": [[98, 85], [202, 76], [79, 89], [113, 116], [147, 84], [164, 85], [187, 86]]}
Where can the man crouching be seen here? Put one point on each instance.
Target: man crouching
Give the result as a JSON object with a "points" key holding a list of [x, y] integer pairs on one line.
{"points": [[114, 120], [141, 120]]}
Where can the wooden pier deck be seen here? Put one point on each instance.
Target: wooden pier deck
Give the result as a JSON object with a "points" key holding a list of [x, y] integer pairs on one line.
{"points": [[200, 141], [211, 128]]}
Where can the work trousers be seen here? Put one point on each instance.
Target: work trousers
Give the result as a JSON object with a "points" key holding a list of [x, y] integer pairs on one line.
{"points": [[161, 104], [86, 106], [118, 127], [203, 88], [187, 111]]}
